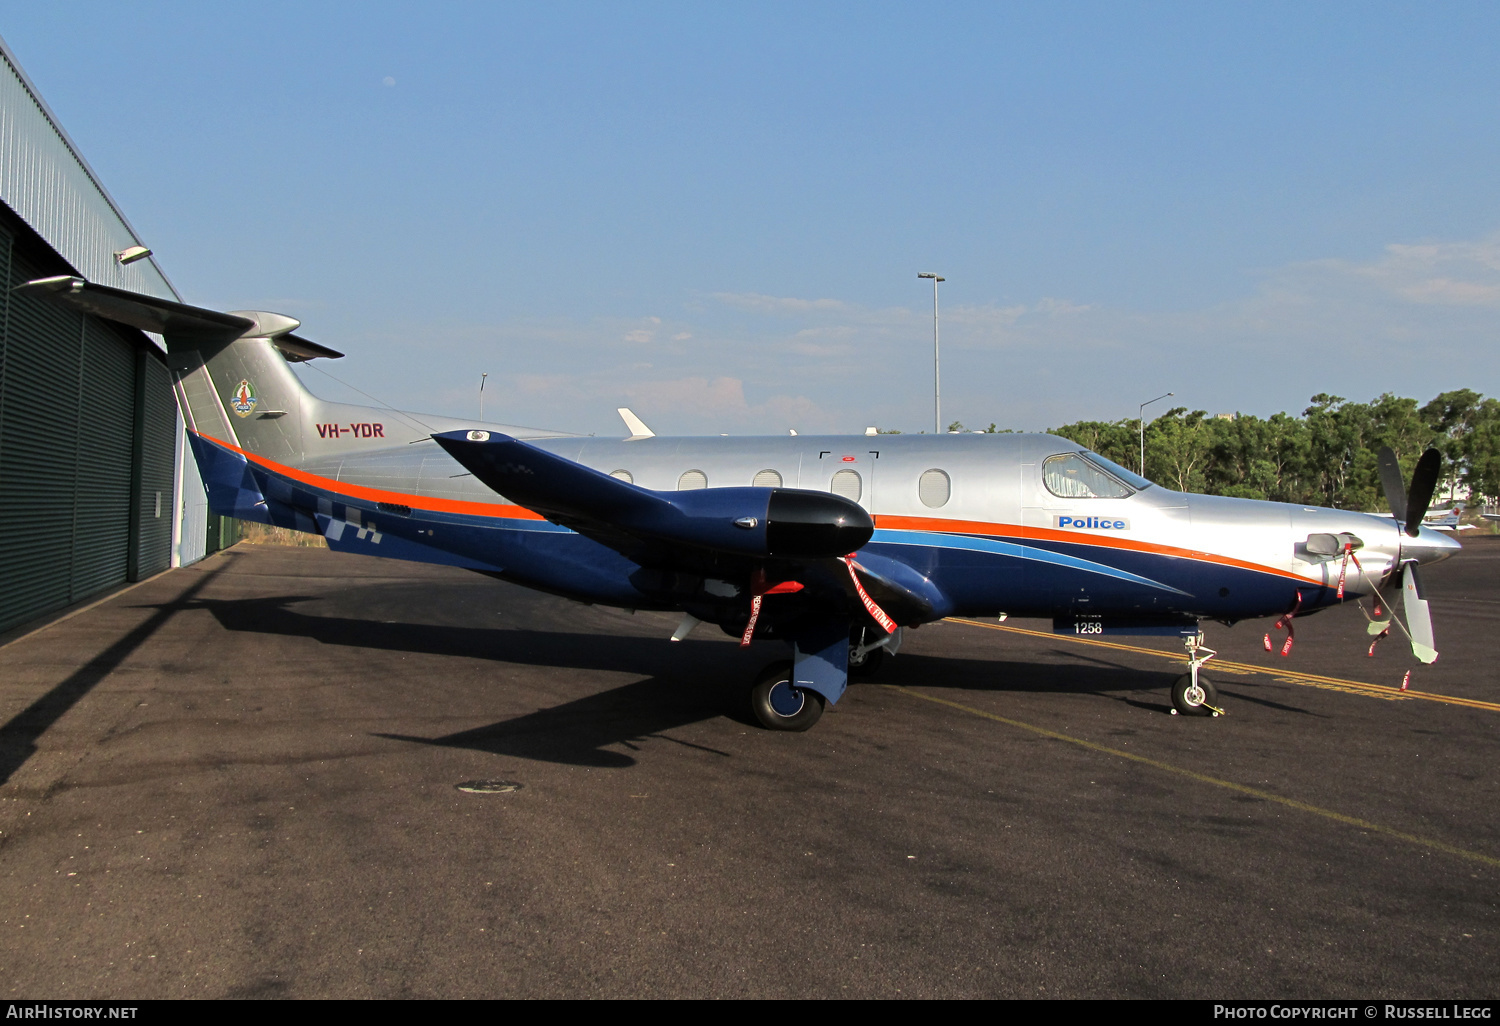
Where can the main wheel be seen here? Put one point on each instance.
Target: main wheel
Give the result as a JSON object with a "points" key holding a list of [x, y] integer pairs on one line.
{"points": [[1194, 700], [781, 705]]}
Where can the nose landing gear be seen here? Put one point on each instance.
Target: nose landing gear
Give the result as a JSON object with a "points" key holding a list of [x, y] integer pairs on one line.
{"points": [[1193, 694], [865, 654]]}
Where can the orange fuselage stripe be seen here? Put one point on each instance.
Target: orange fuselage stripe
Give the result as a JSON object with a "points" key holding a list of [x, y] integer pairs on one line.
{"points": [[426, 502]]}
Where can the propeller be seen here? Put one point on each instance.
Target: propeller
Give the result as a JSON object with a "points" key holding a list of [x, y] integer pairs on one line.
{"points": [[1418, 617], [1409, 506]]}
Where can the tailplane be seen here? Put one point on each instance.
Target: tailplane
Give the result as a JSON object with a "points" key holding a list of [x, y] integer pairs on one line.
{"points": [[230, 370]]}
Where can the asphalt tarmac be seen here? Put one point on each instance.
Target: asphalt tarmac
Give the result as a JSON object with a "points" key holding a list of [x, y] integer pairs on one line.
{"points": [[240, 779]]}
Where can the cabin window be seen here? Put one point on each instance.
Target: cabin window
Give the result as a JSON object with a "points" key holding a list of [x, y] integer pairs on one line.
{"points": [[692, 479], [934, 488], [847, 484], [623, 475], [767, 479], [1070, 476]]}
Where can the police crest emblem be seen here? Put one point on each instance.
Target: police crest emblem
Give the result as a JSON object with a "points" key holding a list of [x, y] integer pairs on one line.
{"points": [[242, 399]]}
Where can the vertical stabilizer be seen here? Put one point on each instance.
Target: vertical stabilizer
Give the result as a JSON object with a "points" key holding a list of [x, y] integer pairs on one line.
{"points": [[243, 393]]}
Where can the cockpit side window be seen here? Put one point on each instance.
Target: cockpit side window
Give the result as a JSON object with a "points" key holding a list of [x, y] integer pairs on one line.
{"points": [[1070, 476]]}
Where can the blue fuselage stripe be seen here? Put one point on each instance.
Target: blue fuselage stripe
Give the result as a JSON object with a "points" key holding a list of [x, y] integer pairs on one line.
{"points": [[1014, 551]]}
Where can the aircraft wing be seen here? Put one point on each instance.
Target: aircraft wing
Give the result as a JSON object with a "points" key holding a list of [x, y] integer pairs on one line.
{"points": [[660, 528]]}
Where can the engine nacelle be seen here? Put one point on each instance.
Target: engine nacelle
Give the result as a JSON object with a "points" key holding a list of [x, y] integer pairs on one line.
{"points": [[785, 523]]}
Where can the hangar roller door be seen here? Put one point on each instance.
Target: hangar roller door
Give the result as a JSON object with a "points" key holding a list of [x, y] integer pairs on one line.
{"points": [[86, 436]]}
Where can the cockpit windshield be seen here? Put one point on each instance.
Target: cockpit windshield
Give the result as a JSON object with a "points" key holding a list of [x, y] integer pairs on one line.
{"points": [[1130, 477], [1087, 475]]}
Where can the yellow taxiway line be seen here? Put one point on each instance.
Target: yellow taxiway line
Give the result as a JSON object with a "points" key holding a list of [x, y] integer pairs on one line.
{"points": [[1202, 778], [1218, 666]]}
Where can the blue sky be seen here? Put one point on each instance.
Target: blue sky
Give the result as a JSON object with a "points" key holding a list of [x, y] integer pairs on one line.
{"points": [[715, 213]]}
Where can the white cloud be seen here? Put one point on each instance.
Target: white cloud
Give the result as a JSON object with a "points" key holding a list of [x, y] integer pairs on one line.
{"points": [[644, 334], [1443, 273], [1414, 319], [779, 305], [721, 402]]}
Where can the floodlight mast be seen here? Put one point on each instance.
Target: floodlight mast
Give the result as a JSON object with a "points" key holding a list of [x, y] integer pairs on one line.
{"points": [[1145, 404], [937, 391]]}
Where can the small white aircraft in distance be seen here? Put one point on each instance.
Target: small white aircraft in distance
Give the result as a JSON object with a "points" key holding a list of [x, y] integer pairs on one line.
{"points": [[1440, 519], [831, 544]]}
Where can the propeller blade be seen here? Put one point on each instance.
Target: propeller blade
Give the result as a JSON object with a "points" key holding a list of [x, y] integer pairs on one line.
{"points": [[1391, 483], [1423, 482], [1418, 617]]}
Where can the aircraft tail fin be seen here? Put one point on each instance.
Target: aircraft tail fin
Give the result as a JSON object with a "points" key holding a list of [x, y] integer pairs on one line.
{"points": [[231, 370]]}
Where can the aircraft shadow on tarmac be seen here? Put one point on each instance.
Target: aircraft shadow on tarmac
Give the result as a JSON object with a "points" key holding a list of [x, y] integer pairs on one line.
{"points": [[686, 682]]}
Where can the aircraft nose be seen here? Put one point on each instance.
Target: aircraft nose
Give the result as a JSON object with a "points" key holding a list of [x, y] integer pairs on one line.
{"points": [[1429, 546]]}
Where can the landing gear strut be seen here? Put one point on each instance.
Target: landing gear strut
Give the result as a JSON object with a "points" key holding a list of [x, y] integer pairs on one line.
{"points": [[867, 651], [1193, 694]]}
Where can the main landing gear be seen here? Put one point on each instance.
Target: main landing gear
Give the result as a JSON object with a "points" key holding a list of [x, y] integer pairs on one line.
{"points": [[793, 695], [779, 704], [1194, 694]]}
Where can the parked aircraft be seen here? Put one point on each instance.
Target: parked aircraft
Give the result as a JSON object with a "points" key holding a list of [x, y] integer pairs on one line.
{"points": [[831, 544], [1439, 519]]}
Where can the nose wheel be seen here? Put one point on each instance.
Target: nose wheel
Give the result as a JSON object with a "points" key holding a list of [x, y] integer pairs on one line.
{"points": [[1195, 697], [1193, 694]]}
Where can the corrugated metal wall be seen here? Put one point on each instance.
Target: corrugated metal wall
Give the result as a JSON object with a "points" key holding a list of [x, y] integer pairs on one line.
{"points": [[46, 181], [89, 479], [86, 422]]}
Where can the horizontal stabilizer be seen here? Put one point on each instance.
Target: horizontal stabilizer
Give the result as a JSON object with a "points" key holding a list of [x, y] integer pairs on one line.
{"points": [[299, 350], [753, 522], [147, 313], [178, 323]]}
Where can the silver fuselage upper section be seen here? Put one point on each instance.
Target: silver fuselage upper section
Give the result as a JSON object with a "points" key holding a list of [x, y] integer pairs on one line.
{"points": [[994, 481]]}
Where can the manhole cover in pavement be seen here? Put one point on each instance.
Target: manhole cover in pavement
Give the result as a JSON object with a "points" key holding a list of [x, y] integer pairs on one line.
{"points": [[488, 786]]}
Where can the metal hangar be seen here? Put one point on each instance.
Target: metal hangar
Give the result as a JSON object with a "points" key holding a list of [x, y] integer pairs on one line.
{"points": [[95, 489]]}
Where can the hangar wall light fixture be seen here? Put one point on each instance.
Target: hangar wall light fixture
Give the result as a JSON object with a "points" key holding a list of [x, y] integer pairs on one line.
{"points": [[937, 392], [131, 254]]}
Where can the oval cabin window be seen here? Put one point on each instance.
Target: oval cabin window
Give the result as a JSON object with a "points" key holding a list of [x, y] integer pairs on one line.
{"points": [[847, 484], [692, 479], [623, 475], [767, 479], [934, 488]]}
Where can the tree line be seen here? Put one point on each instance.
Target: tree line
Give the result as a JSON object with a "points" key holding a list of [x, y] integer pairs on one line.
{"points": [[1325, 457]]}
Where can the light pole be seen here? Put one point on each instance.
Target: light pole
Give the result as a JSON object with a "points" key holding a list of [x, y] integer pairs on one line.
{"points": [[937, 391], [481, 395], [1145, 404]]}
